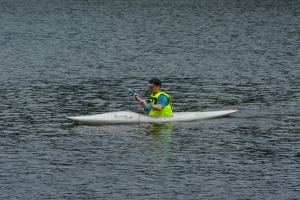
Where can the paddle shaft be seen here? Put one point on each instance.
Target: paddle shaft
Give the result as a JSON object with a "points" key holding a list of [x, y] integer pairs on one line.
{"points": [[147, 109], [137, 97]]}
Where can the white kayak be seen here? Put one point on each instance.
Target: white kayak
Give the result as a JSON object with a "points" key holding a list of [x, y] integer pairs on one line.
{"points": [[128, 117]]}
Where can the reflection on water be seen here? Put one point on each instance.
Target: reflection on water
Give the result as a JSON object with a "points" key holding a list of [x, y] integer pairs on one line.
{"points": [[162, 140], [158, 128], [161, 149], [162, 134]]}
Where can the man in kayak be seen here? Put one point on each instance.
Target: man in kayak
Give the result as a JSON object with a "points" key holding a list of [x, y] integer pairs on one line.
{"points": [[159, 103]]}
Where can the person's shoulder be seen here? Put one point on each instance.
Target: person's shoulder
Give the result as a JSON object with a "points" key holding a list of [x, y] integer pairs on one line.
{"points": [[163, 98], [163, 95]]}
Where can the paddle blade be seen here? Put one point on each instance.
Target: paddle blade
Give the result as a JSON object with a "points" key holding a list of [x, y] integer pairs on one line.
{"points": [[131, 90]]}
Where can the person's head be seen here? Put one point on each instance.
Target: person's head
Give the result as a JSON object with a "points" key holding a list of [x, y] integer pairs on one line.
{"points": [[154, 85]]}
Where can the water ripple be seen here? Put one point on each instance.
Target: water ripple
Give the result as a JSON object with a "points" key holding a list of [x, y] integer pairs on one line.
{"points": [[61, 58]]}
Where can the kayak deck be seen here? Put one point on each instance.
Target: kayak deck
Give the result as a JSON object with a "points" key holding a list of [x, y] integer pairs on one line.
{"points": [[128, 117]]}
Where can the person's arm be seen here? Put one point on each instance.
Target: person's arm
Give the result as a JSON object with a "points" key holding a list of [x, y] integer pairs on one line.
{"points": [[162, 101], [141, 102], [157, 107]]}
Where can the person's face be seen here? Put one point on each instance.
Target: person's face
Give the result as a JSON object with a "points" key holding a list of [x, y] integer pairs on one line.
{"points": [[154, 89]]}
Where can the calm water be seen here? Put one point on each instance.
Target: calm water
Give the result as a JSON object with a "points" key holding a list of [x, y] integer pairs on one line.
{"points": [[77, 57]]}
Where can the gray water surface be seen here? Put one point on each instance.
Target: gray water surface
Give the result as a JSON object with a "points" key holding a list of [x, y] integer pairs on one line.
{"points": [[77, 57]]}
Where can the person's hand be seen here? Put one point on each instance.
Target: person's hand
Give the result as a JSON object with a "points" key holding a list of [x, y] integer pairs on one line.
{"points": [[136, 96], [141, 102]]}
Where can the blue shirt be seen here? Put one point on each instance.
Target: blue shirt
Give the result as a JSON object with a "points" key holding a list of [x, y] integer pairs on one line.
{"points": [[162, 100]]}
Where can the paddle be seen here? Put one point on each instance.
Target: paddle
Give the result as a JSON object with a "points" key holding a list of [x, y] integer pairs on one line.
{"points": [[147, 107], [132, 92]]}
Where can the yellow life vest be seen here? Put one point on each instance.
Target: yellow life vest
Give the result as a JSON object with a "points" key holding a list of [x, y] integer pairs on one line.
{"points": [[165, 111]]}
